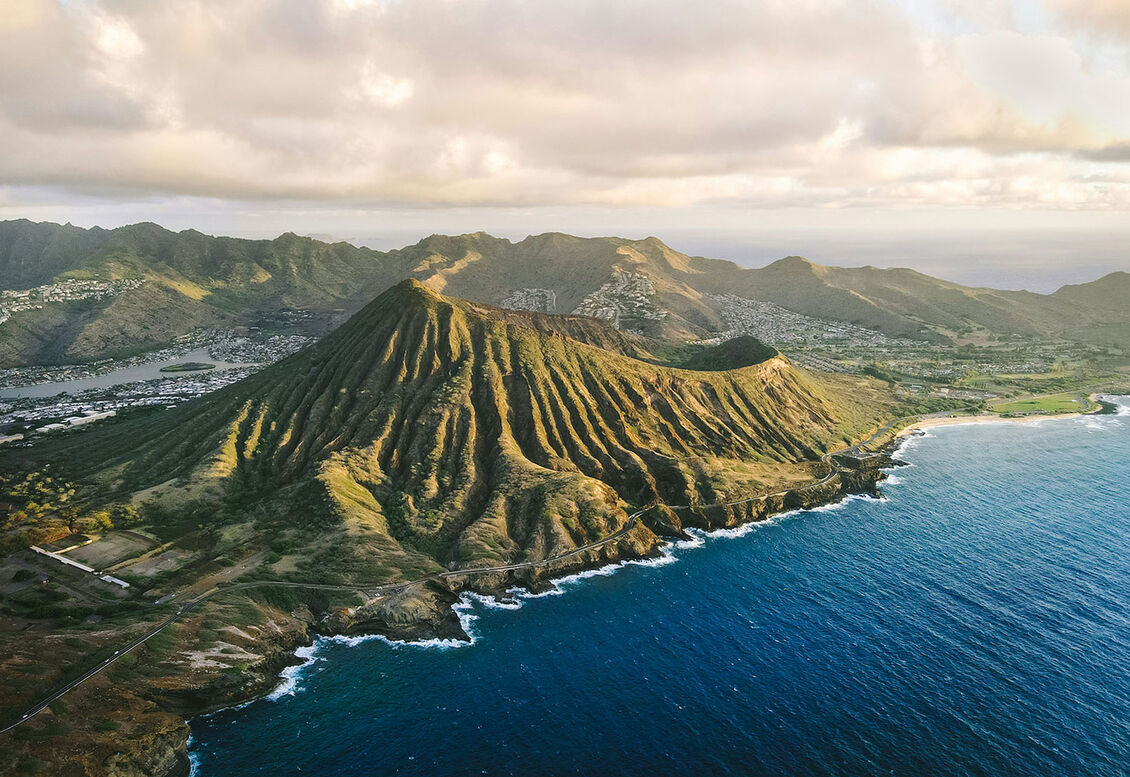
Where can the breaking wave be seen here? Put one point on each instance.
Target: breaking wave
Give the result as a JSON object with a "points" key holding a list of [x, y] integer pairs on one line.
{"points": [[516, 597], [290, 675]]}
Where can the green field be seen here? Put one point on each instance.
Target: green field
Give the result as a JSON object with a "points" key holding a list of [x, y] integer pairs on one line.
{"points": [[1051, 403]]}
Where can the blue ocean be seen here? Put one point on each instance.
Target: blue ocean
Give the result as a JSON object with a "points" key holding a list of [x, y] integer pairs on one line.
{"points": [[973, 621]]}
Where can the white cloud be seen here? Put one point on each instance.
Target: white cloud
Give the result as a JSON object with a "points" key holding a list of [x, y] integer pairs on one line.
{"points": [[486, 102], [385, 89], [1045, 79]]}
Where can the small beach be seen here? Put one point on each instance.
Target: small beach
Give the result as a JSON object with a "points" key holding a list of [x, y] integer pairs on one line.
{"points": [[984, 419]]}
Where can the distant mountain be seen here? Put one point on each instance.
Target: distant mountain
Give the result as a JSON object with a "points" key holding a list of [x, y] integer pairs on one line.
{"points": [[429, 431], [1105, 306], [190, 280], [1110, 292], [898, 302], [643, 286], [34, 253], [680, 295]]}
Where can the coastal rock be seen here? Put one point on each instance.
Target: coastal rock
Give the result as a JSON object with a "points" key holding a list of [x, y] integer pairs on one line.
{"points": [[159, 753], [419, 611], [862, 477]]}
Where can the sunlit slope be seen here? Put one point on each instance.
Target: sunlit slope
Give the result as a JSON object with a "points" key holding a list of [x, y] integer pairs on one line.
{"points": [[190, 279], [194, 280], [898, 302], [469, 433], [485, 268]]}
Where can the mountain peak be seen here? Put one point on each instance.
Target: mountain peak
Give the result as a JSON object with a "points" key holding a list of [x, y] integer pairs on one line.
{"points": [[438, 436], [415, 287], [794, 264], [408, 292], [652, 240]]}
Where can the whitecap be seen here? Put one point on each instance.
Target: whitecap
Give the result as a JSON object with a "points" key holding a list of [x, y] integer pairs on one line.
{"points": [[492, 602], [746, 528], [290, 675], [906, 444], [832, 506], [193, 758], [557, 586], [463, 610], [910, 441], [663, 559], [1121, 406], [464, 607], [696, 538]]}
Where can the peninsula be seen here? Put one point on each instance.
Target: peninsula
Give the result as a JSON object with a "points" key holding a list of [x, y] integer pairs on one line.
{"points": [[428, 447]]}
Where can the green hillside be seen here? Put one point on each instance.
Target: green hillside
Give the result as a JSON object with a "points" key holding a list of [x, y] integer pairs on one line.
{"points": [[1110, 292], [190, 280], [431, 431], [897, 302], [643, 286]]}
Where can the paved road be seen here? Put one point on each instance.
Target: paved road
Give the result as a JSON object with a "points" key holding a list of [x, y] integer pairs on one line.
{"points": [[107, 662], [380, 589], [371, 590]]}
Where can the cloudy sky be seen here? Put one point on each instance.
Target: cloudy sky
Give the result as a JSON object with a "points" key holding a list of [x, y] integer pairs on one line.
{"points": [[982, 140]]}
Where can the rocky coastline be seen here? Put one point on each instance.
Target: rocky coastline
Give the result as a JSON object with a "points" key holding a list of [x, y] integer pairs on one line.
{"points": [[426, 611]]}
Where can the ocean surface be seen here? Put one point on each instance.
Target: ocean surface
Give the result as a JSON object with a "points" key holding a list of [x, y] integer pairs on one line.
{"points": [[975, 621]]}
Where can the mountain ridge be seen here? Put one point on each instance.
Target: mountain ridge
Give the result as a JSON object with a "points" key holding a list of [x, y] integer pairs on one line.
{"points": [[643, 286]]}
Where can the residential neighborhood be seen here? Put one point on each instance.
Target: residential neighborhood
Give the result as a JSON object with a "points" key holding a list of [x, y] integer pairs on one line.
{"points": [[71, 290]]}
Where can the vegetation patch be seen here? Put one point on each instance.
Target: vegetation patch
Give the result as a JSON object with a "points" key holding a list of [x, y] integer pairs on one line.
{"points": [[1049, 404], [188, 367]]}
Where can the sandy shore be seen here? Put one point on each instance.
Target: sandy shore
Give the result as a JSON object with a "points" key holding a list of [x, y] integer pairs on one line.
{"points": [[983, 419]]}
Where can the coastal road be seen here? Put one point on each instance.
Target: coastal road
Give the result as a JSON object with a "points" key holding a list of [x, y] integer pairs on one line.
{"points": [[105, 663], [373, 590]]}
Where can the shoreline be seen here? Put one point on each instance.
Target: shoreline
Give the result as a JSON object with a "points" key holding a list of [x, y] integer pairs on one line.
{"points": [[514, 598], [684, 535], [432, 611], [1104, 407], [985, 419], [450, 628]]}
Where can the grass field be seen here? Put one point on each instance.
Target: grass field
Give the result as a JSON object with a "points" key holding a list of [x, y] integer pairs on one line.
{"points": [[1067, 402], [110, 549]]}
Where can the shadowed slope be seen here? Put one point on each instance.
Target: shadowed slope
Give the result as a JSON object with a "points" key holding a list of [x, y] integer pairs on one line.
{"points": [[470, 434]]}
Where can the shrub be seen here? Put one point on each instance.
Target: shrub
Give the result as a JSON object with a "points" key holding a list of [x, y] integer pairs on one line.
{"points": [[29, 766]]}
